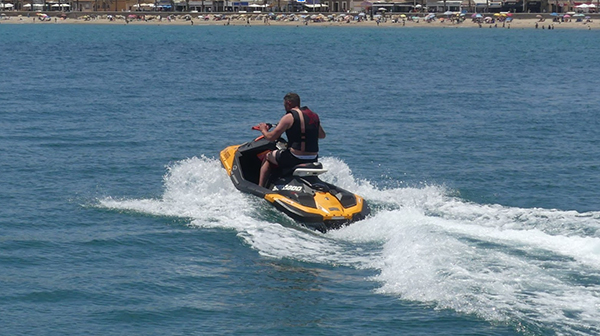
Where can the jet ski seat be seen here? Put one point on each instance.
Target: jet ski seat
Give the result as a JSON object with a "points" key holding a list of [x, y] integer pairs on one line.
{"points": [[308, 169]]}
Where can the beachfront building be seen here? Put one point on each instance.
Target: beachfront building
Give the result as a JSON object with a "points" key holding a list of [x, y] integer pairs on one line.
{"points": [[41, 5], [403, 6], [511, 6], [335, 6], [444, 6], [487, 6]]}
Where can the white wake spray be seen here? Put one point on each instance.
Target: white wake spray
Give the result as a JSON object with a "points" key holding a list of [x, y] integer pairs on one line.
{"points": [[502, 264]]}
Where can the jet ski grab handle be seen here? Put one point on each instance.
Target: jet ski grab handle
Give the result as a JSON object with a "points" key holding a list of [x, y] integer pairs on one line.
{"points": [[303, 172]]}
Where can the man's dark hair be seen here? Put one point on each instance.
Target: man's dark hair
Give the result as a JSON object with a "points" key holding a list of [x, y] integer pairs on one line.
{"points": [[293, 98]]}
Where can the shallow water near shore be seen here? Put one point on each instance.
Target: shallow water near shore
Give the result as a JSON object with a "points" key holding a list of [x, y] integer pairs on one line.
{"points": [[477, 149]]}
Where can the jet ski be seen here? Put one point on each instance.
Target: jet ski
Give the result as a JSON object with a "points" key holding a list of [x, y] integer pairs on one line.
{"points": [[297, 192]]}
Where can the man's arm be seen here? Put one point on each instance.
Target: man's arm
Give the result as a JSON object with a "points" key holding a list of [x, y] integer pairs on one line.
{"points": [[285, 123], [322, 134]]}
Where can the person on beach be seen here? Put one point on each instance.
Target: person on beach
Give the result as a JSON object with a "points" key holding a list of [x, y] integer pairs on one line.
{"points": [[303, 130]]}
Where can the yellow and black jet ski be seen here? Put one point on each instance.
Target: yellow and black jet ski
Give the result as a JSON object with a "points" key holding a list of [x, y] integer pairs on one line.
{"points": [[298, 192]]}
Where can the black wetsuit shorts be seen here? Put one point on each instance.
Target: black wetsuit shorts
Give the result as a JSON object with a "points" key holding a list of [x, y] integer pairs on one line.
{"points": [[285, 159]]}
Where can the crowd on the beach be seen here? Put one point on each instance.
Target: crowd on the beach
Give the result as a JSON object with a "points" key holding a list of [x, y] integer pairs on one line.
{"points": [[492, 20]]}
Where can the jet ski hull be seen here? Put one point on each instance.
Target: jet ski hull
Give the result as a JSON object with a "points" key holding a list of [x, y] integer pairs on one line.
{"points": [[300, 194]]}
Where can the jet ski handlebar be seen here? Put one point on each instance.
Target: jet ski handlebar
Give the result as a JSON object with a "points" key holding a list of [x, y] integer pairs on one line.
{"points": [[269, 126]]}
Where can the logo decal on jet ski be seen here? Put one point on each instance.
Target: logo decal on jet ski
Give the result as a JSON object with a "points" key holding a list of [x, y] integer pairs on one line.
{"points": [[287, 188]]}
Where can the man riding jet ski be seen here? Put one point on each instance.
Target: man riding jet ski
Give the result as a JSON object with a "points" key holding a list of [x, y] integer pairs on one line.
{"points": [[287, 176], [303, 130]]}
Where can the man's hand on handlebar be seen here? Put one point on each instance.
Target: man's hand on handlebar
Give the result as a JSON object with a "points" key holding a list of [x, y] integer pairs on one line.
{"points": [[263, 127]]}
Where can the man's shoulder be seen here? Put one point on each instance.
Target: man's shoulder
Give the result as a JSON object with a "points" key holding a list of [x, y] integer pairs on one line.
{"points": [[287, 119]]}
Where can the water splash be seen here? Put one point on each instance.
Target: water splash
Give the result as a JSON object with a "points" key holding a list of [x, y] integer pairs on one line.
{"points": [[538, 268]]}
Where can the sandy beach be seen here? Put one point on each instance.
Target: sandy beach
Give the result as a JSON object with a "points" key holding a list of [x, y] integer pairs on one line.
{"points": [[235, 19]]}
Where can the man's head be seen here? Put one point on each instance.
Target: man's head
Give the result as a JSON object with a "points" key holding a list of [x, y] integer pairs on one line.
{"points": [[291, 100]]}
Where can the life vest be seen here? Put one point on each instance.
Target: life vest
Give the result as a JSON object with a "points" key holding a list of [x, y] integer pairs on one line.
{"points": [[305, 138]]}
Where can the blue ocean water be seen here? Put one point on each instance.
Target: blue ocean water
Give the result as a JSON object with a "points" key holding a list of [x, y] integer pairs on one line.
{"points": [[476, 148]]}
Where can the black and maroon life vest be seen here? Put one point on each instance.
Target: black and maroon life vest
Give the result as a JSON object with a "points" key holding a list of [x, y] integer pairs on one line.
{"points": [[310, 137]]}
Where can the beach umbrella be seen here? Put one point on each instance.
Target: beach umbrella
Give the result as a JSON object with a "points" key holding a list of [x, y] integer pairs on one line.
{"points": [[478, 15], [538, 16], [567, 16], [381, 9], [402, 16], [553, 14]]}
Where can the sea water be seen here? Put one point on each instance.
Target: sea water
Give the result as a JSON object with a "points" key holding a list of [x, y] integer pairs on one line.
{"points": [[477, 149]]}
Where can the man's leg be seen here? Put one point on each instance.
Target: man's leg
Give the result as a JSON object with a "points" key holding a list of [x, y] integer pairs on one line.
{"points": [[265, 168]]}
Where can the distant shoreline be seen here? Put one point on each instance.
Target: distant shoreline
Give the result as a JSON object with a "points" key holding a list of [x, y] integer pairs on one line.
{"points": [[519, 21]]}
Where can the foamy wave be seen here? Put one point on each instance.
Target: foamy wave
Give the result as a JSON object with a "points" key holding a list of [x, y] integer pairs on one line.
{"points": [[482, 260], [196, 188], [499, 263]]}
